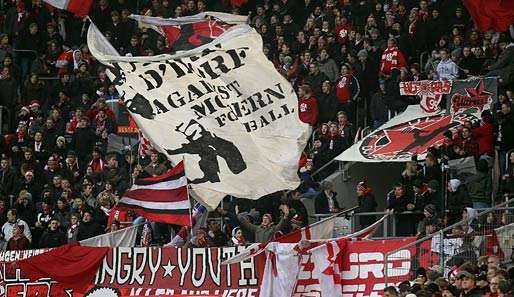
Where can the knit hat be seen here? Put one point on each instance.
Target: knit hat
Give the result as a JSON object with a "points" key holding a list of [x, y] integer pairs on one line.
{"points": [[34, 103], [454, 184], [234, 231], [362, 186], [430, 208]]}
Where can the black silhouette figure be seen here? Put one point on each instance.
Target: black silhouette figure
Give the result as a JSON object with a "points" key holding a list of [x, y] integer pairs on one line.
{"points": [[141, 106], [209, 146], [422, 136]]}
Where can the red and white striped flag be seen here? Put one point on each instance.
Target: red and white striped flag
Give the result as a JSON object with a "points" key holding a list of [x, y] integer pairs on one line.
{"points": [[78, 7], [161, 198]]}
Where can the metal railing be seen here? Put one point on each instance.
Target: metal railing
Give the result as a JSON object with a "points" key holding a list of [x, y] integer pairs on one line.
{"points": [[438, 248]]}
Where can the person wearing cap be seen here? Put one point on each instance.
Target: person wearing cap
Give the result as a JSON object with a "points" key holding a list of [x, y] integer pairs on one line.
{"points": [[430, 214], [237, 237], [457, 199], [468, 284], [367, 203], [31, 185]]}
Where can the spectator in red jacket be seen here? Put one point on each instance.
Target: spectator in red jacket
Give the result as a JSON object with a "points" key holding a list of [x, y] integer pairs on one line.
{"points": [[347, 90], [484, 134], [307, 105], [392, 58]]}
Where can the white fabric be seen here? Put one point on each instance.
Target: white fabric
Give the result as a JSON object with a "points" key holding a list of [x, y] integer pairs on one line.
{"points": [[323, 260], [287, 269], [125, 237], [505, 237], [270, 153], [454, 184], [165, 185], [61, 4]]}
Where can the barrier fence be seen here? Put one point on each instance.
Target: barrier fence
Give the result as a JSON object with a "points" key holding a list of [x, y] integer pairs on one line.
{"points": [[473, 239]]}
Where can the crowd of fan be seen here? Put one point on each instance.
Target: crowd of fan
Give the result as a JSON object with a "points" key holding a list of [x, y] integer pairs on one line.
{"points": [[59, 184]]}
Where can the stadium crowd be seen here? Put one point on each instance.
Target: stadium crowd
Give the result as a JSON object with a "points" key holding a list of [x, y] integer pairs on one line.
{"points": [[59, 183]]}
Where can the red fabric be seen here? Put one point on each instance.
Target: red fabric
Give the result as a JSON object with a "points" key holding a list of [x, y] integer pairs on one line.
{"points": [[80, 7], [392, 58], [72, 265], [491, 14], [343, 89], [484, 135], [120, 215], [342, 32], [308, 110]]}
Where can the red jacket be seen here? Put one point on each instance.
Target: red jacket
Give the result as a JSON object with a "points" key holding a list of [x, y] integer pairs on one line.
{"points": [[392, 58], [308, 110], [484, 135]]}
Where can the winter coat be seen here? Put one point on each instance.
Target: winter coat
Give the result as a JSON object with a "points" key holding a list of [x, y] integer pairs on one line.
{"points": [[367, 203], [480, 187], [52, 239], [484, 136], [327, 107], [87, 230], [505, 65], [321, 203]]}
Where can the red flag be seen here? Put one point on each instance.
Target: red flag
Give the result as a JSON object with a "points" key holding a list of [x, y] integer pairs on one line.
{"points": [[491, 14], [78, 7], [71, 265], [161, 198]]}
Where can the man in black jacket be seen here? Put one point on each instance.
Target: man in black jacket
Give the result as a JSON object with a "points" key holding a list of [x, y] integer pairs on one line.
{"points": [[327, 103], [326, 201], [52, 237], [88, 228], [505, 138], [367, 203], [83, 140]]}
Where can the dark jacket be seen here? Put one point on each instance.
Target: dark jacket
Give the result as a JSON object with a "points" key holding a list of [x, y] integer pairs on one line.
{"points": [[321, 203], [507, 132], [327, 107], [52, 239], [480, 187], [83, 142], [87, 230], [505, 65], [366, 203]]}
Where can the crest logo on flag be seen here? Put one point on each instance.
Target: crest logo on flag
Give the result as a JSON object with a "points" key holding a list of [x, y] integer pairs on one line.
{"points": [[412, 138]]}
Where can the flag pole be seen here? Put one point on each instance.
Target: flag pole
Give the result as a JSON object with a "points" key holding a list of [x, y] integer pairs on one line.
{"points": [[188, 197]]}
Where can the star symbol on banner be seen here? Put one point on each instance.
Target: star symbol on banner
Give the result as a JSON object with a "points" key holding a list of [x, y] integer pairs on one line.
{"points": [[168, 269], [479, 92]]}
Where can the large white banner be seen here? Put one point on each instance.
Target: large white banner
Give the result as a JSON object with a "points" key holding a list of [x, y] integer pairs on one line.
{"points": [[221, 106]]}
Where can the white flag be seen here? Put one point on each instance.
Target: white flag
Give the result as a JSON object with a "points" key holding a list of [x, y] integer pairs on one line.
{"points": [[221, 106], [125, 237]]}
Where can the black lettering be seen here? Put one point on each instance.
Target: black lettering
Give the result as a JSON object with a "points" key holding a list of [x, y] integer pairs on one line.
{"points": [[159, 107], [180, 100], [220, 64], [223, 92]]}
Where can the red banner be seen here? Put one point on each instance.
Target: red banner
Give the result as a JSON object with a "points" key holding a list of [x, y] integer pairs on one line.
{"points": [[198, 272], [430, 92]]}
